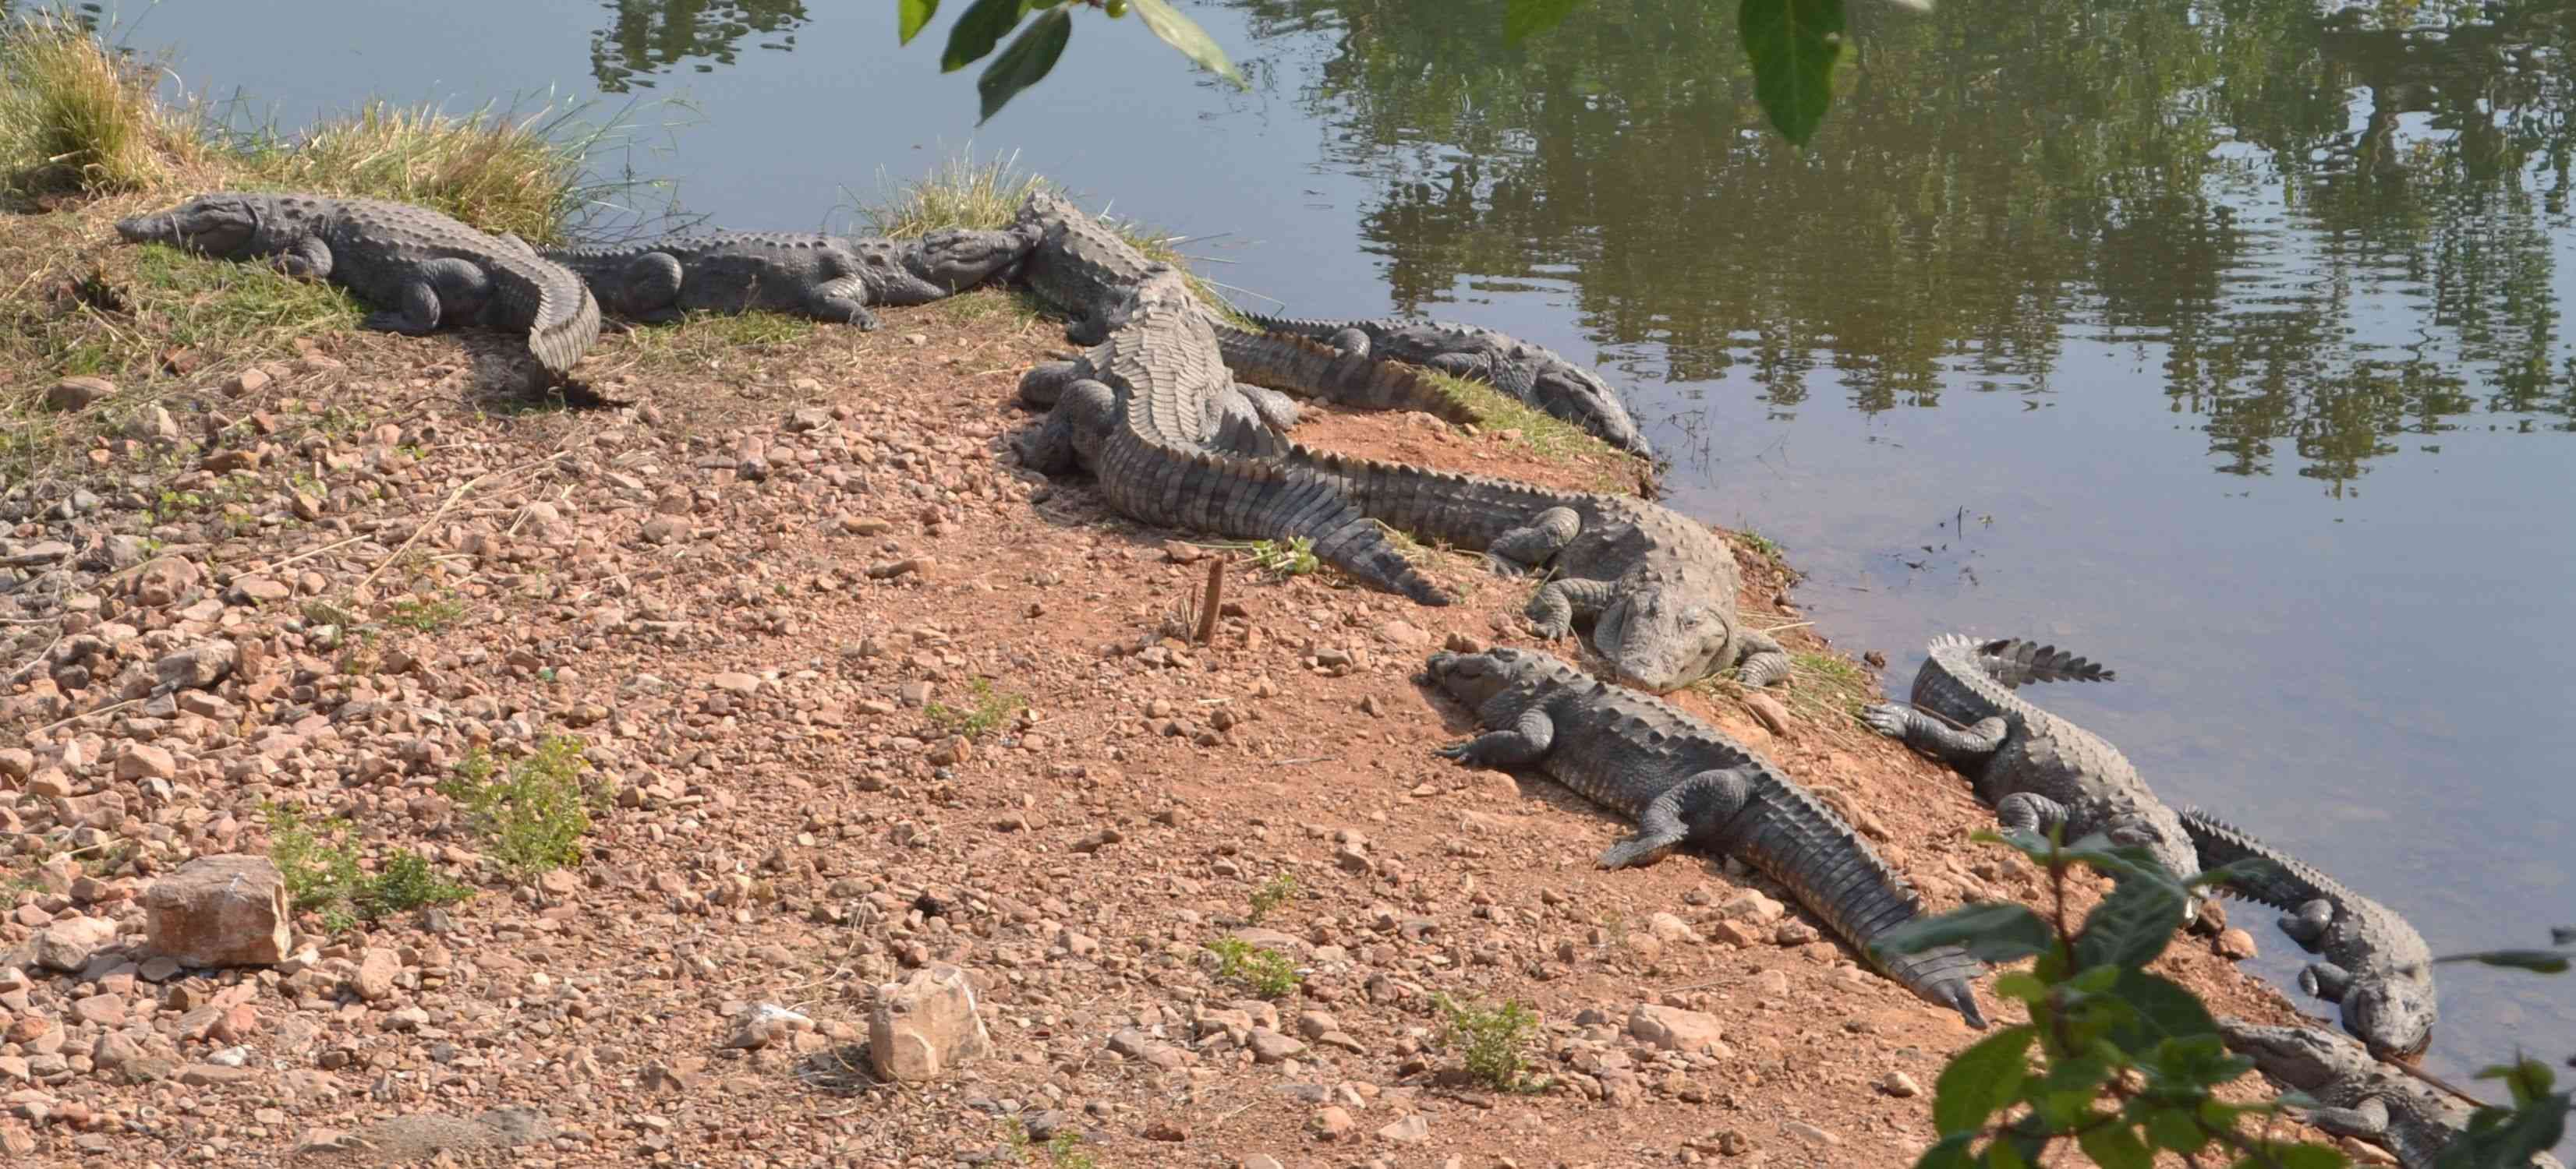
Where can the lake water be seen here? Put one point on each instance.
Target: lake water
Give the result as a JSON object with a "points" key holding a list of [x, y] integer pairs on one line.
{"points": [[2221, 342]]}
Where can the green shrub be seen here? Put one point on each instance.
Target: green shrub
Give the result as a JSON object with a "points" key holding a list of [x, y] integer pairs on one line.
{"points": [[1490, 1041], [530, 815]]}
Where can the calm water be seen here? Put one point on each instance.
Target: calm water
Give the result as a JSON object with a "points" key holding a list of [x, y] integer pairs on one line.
{"points": [[2222, 342]]}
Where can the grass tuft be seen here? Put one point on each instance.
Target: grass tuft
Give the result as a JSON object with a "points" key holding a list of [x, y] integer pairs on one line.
{"points": [[532, 814], [1491, 1042], [497, 169], [958, 192], [78, 116], [1263, 971]]}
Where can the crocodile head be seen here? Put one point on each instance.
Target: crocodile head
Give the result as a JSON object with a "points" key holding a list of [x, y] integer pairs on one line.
{"points": [[1659, 639], [2393, 1015], [1562, 383], [1473, 678], [2159, 831], [2305, 1058], [213, 225], [958, 257]]}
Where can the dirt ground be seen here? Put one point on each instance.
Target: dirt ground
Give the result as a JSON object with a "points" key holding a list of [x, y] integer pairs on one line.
{"points": [[857, 695]]}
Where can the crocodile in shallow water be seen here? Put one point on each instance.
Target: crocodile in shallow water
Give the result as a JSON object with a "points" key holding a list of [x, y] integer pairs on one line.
{"points": [[2036, 769], [1682, 782], [830, 277], [419, 268], [2376, 967], [1535, 375], [1155, 416], [2358, 1096]]}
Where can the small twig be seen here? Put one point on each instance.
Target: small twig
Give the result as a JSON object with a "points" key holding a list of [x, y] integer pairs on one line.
{"points": [[433, 518], [1208, 605], [108, 709], [1303, 759], [312, 552]]}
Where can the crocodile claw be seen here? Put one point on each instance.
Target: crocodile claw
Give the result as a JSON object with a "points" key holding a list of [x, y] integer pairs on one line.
{"points": [[1887, 718], [1464, 751]]}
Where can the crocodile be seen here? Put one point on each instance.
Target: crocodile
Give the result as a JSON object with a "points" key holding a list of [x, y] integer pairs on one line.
{"points": [[2376, 967], [834, 278], [1682, 782], [2039, 771], [1154, 415], [419, 268], [1657, 586], [1080, 267], [1531, 373], [2357, 1095]]}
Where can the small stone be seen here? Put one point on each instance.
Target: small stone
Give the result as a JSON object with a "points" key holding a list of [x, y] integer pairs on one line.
{"points": [[145, 761], [1411, 1130], [1272, 1047], [251, 589], [219, 911], [377, 969], [2235, 944], [1774, 717], [1794, 933], [77, 393], [68, 944], [1166, 1130], [1674, 1029], [1900, 1085], [926, 1025], [1333, 1122], [1809, 1133]]}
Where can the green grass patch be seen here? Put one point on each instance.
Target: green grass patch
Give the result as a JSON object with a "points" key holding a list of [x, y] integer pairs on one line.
{"points": [[989, 309], [990, 710], [1542, 433], [1761, 545], [1273, 893], [319, 861], [531, 814], [1263, 971], [960, 191], [78, 116], [1491, 1042], [424, 614]]}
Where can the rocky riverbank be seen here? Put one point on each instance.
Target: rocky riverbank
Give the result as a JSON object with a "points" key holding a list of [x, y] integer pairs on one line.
{"points": [[857, 702]]}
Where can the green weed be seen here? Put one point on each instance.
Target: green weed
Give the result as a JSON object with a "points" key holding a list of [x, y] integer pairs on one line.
{"points": [[1273, 893], [992, 708], [424, 614], [1265, 972], [531, 815], [1490, 1041]]}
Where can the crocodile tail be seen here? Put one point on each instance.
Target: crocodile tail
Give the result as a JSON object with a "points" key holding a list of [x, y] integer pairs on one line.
{"points": [[1461, 510], [1299, 326], [1287, 360], [2286, 883], [1265, 499], [566, 321], [1319, 511], [1944, 976], [2014, 661]]}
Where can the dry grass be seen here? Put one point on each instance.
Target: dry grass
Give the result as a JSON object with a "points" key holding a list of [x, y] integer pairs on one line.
{"points": [[522, 173], [77, 116]]}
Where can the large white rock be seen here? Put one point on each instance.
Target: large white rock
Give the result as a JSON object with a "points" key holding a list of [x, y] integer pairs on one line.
{"points": [[219, 911], [926, 1025]]}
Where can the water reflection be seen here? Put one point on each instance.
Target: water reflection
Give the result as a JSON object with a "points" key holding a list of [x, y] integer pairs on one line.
{"points": [[645, 37], [2332, 230]]}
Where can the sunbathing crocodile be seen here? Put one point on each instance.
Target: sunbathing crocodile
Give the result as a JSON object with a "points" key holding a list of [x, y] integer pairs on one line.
{"points": [[1083, 269], [834, 278], [1534, 374], [2358, 1096], [1154, 415], [2039, 771], [420, 269], [1682, 782], [2376, 966]]}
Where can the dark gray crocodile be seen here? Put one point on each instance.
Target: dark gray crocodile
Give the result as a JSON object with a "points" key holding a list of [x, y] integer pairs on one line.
{"points": [[834, 278], [2038, 771], [1682, 782], [2376, 967], [1534, 374], [420, 269], [2358, 1096], [1080, 267], [1155, 416], [1657, 586]]}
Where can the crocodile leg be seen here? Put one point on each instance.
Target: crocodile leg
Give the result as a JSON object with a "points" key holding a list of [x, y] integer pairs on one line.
{"points": [[649, 289], [1966, 749], [309, 259], [1760, 659], [1559, 602], [1277, 410], [1523, 742], [1047, 381], [1058, 444], [1698, 806], [2026, 812], [1352, 342], [2325, 980], [437, 290], [2308, 922], [842, 301], [2367, 1120]]}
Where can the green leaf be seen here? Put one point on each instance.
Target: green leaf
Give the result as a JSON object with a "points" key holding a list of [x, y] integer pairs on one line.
{"points": [[2095, 980], [2019, 984], [1184, 34], [2161, 1009], [1981, 1080], [1793, 45], [1025, 62], [976, 32], [2132, 925], [912, 15], [1995, 933], [2536, 961], [2113, 1146], [2527, 1079], [1951, 1153], [2177, 1129], [1524, 17], [2498, 1139]]}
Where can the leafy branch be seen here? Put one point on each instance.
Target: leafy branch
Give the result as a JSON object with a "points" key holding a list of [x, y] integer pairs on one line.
{"points": [[1032, 53]]}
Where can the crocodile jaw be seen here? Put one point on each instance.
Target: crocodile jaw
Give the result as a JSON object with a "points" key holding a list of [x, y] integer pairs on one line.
{"points": [[2393, 1016], [1658, 640], [215, 225]]}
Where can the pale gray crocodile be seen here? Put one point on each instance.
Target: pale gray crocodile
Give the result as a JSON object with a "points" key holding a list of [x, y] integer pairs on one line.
{"points": [[1657, 586], [2358, 1096], [1152, 412], [1081, 268], [1683, 782], [2376, 967], [831, 277], [1532, 373], [2037, 770], [418, 268]]}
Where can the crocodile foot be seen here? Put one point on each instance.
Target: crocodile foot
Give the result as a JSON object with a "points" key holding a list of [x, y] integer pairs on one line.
{"points": [[1887, 718]]}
